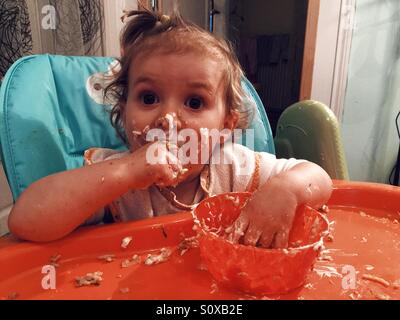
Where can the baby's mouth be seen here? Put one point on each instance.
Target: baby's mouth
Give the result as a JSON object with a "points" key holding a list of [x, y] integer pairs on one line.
{"points": [[141, 138], [170, 131]]}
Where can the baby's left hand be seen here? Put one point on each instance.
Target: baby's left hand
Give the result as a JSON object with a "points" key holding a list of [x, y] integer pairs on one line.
{"points": [[267, 218]]}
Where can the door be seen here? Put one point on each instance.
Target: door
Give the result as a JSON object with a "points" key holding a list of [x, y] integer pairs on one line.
{"points": [[193, 10], [274, 40]]}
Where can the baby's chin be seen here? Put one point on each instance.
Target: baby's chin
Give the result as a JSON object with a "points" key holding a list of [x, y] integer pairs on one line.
{"points": [[192, 172]]}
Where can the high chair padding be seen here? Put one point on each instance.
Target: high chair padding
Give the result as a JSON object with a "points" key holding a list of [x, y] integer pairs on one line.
{"points": [[47, 119]]}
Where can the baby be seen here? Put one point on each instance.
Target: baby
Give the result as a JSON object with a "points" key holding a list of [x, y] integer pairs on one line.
{"points": [[177, 84]]}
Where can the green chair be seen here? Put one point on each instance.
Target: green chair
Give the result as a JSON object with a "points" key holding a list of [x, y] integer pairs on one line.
{"points": [[309, 130]]}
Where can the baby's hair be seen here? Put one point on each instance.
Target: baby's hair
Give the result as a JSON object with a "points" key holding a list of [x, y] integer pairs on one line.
{"points": [[147, 32]]}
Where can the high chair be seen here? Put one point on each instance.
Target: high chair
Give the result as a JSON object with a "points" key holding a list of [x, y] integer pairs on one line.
{"points": [[48, 119], [309, 130]]}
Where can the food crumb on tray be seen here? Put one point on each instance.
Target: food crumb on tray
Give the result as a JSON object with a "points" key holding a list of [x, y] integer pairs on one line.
{"points": [[382, 296], [107, 257], [363, 214], [54, 259], [355, 295], [158, 258], [376, 279], [124, 290], [90, 279], [125, 242], [130, 262], [214, 288], [309, 286], [12, 296], [187, 244]]}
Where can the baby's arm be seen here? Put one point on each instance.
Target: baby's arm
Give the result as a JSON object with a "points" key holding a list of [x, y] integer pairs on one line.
{"points": [[55, 205], [269, 215]]}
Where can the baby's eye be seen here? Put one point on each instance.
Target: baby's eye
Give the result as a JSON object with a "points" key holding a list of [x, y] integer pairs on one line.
{"points": [[194, 103], [149, 98]]}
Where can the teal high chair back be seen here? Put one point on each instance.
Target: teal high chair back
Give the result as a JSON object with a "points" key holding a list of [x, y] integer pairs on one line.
{"points": [[48, 118]]}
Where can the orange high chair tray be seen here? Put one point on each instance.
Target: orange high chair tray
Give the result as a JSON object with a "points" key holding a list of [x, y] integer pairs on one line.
{"points": [[361, 260]]}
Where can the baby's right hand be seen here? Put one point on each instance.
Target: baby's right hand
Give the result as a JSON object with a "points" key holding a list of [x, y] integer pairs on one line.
{"points": [[155, 163]]}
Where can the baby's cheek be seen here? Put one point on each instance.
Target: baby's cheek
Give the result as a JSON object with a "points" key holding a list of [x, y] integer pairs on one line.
{"points": [[130, 124]]}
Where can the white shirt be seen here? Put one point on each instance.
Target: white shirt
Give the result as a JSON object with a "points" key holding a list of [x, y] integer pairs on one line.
{"points": [[239, 171]]}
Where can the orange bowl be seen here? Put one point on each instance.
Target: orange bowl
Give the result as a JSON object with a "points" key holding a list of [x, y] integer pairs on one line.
{"points": [[251, 269]]}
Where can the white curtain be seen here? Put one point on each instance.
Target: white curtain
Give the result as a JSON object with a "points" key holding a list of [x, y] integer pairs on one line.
{"points": [[373, 91]]}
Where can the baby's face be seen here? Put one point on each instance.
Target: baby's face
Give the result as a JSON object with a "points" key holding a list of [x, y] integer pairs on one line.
{"points": [[185, 90]]}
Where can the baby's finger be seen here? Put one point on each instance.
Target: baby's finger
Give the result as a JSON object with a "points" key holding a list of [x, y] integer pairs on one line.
{"points": [[168, 175], [173, 149], [281, 240], [239, 227], [267, 238], [174, 162], [252, 235]]}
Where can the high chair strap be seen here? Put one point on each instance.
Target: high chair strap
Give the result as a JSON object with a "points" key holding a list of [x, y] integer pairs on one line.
{"points": [[255, 180]]}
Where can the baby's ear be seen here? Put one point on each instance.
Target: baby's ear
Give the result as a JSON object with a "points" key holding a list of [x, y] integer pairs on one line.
{"points": [[231, 120]]}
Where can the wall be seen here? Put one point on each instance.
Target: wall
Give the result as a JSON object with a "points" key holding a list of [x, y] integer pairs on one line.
{"points": [[261, 17]]}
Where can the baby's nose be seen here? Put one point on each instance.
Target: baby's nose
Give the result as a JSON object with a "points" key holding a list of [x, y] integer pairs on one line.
{"points": [[168, 122]]}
